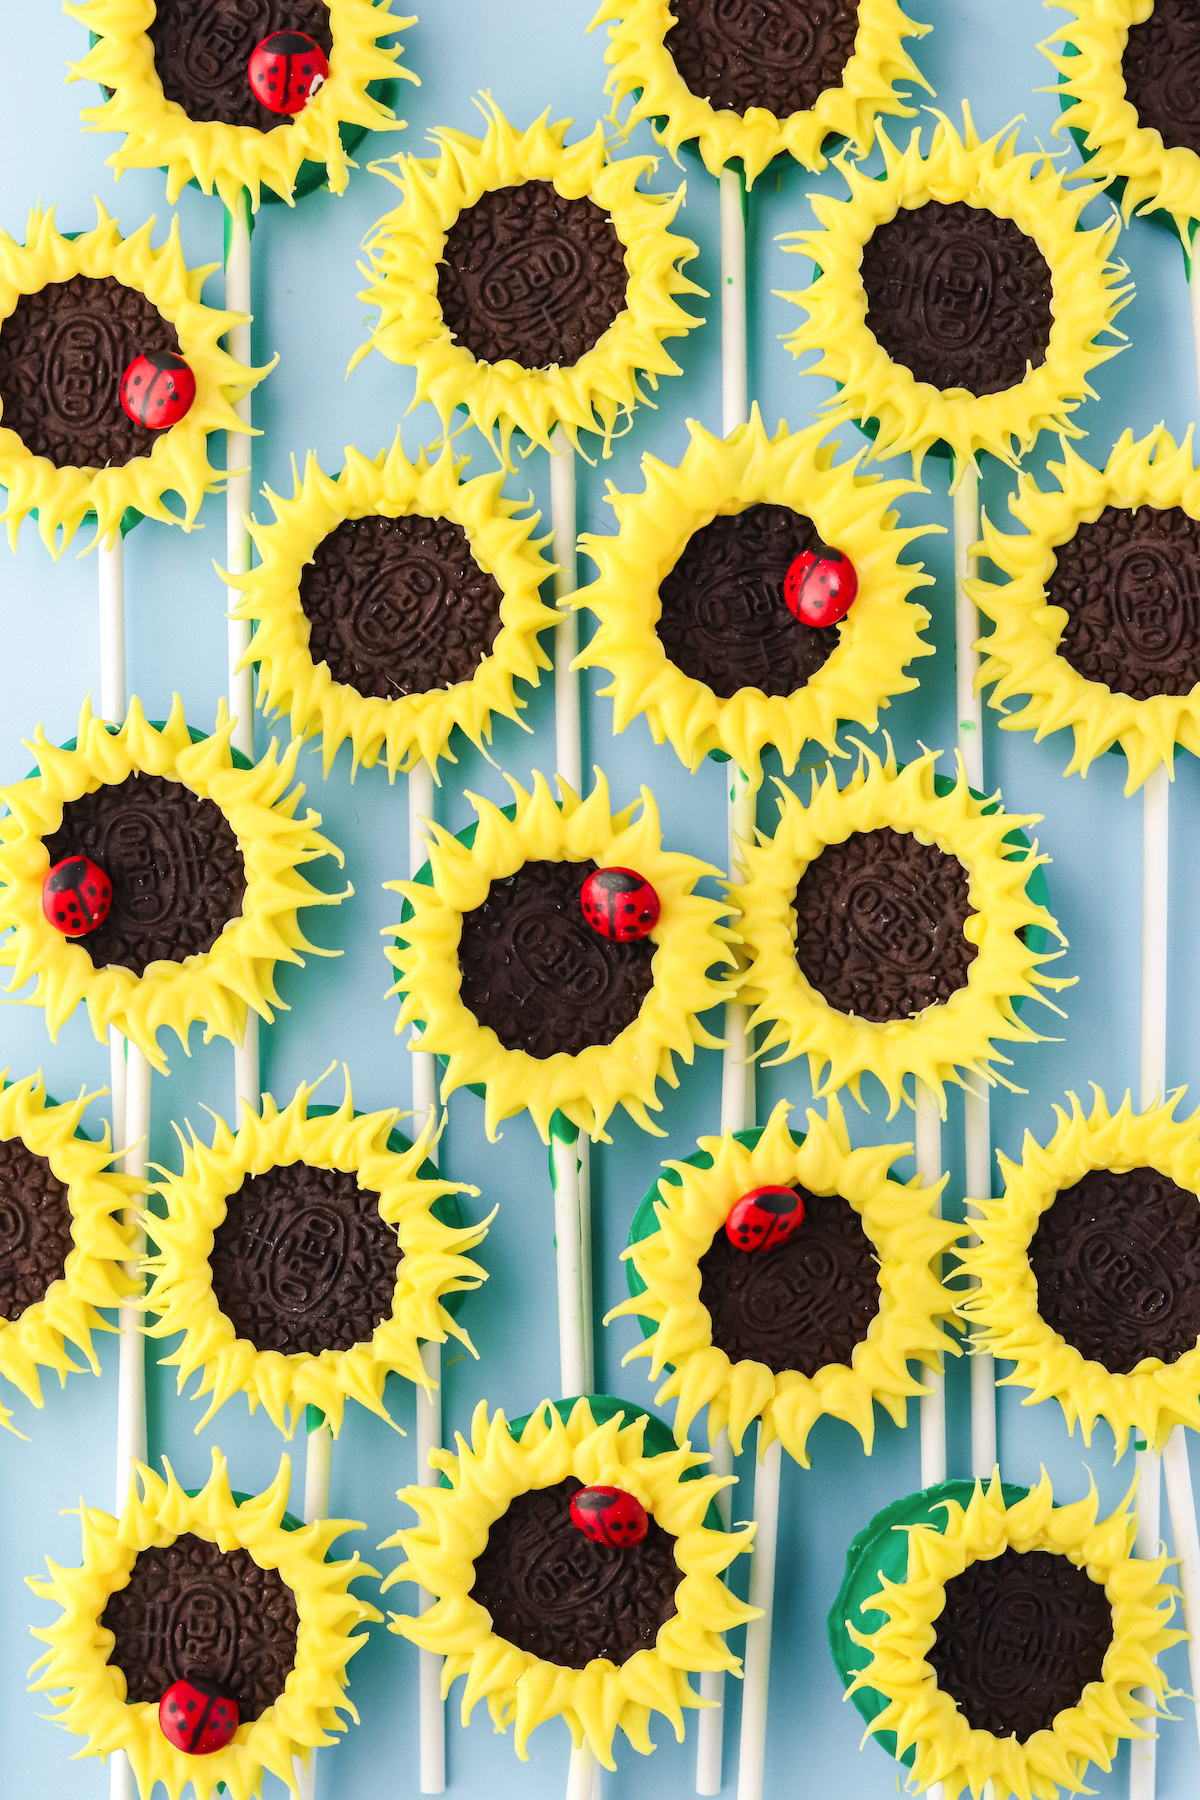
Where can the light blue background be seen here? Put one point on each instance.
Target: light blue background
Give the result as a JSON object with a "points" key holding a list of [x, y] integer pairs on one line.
{"points": [[533, 54]]}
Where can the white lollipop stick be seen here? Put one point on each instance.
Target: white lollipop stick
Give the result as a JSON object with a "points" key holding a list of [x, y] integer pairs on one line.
{"points": [[752, 1749], [734, 361], [570, 1171], [928, 1134], [977, 1109]]}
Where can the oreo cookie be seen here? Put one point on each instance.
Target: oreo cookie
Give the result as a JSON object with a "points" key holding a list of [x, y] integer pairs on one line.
{"points": [[1161, 67], [35, 1228], [1129, 583], [202, 51], [777, 54]]}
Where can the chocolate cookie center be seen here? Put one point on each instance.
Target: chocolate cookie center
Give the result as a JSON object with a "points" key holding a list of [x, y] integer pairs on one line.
{"points": [[724, 619], [1129, 583], [801, 1305], [303, 1261], [399, 606], [63, 352], [555, 1594], [538, 974], [1161, 66], [959, 296], [529, 276], [202, 52], [194, 1612], [1020, 1637], [777, 54], [1117, 1263], [35, 1228], [879, 925], [174, 863]]}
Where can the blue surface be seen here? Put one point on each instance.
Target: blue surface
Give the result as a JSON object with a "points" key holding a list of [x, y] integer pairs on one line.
{"points": [[305, 282]]}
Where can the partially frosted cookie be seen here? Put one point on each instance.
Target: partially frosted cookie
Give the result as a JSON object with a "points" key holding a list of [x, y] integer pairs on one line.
{"points": [[784, 1278], [202, 857], [395, 605], [305, 1258], [575, 1561], [693, 620], [1096, 627], [749, 80], [525, 995], [891, 927], [1018, 1637], [76, 315], [177, 77], [530, 282], [215, 1599], [1088, 1269], [985, 360], [63, 1242]]}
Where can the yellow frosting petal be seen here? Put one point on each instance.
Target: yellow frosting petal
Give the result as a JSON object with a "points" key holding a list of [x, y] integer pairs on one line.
{"points": [[908, 1235], [89, 1692], [434, 1263], [912, 416], [876, 641], [946, 1040], [178, 466], [1003, 1308], [639, 55], [927, 1720], [230, 159], [1021, 656], [238, 973], [689, 941], [417, 727], [482, 1478], [599, 390], [63, 1320]]}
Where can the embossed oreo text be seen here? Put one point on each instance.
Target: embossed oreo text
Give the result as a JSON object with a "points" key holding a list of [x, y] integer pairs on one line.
{"points": [[1129, 583], [777, 54], [202, 49]]}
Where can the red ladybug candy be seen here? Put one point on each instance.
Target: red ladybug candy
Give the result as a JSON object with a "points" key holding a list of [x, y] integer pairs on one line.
{"points": [[820, 586], [286, 70], [765, 1217], [608, 1515], [196, 1717], [620, 904], [76, 896], [157, 389]]}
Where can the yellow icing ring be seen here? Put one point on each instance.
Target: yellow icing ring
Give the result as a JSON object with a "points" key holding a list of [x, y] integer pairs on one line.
{"points": [[913, 416], [642, 67], [909, 1237], [237, 974], [1021, 655], [46, 1333], [418, 727], [927, 1720], [877, 640], [1118, 146], [689, 939], [605, 384], [89, 1692], [233, 159], [180, 1294], [484, 1477], [178, 464], [1003, 1309], [944, 1041]]}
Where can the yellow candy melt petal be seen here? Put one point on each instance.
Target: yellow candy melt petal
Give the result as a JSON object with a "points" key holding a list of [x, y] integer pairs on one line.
{"points": [[89, 1693], [876, 641], [417, 727], [485, 1476], [690, 940], [945, 1041]]}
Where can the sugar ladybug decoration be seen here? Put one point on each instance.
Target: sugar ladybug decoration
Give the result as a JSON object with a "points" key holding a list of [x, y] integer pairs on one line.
{"points": [[76, 896], [620, 904], [197, 1717], [157, 390], [285, 71], [608, 1515], [764, 1218], [820, 586]]}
